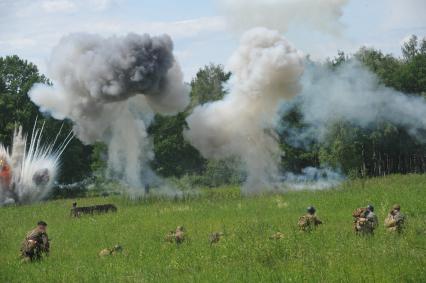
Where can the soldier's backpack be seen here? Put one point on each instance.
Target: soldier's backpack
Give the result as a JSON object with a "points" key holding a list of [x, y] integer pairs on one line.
{"points": [[359, 212]]}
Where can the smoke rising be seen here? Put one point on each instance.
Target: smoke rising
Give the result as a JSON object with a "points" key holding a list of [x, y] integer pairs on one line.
{"points": [[312, 178], [353, 94], [110, 88], [321, 15], [266, 70]]}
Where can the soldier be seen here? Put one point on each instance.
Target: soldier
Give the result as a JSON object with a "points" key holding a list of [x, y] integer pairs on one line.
{"points": [[215, 237], [36, 242], [277, 236], [394, 222], [177, 236], [309, 221], [107, 252], [365, 220]]}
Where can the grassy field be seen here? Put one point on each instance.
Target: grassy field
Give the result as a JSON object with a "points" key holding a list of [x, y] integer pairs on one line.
{"points": [[330, 254]]}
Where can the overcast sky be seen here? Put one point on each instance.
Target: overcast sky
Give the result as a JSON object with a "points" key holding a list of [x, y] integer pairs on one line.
{"points": [[30, 28]]}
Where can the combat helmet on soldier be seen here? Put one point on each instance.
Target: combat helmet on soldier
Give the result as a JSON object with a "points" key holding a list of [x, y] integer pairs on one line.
{"points": [[365, 220], [309, 221]]}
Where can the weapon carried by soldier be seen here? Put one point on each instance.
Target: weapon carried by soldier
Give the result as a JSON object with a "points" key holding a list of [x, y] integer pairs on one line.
{"points": [[395, 220], [365, 220], [35, 243], [309, 221]]}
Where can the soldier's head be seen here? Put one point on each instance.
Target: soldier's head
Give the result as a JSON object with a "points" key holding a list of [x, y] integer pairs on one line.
{"points": [[311, 210], [74, 204], [396, 207], [370, 208], [118, 248], [42, 225], [179, 228]]}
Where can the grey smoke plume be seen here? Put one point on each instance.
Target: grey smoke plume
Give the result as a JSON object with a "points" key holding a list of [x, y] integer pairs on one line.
{"points": [[321, 15], [266, 70], [110, 88], [351, 93]]}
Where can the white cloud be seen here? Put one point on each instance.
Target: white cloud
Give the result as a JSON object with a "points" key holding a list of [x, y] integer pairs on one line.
{"points": [[55, 6], [31, 28]]}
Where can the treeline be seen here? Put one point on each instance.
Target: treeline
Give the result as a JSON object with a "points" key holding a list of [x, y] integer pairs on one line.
{"points": [[357, 152]]}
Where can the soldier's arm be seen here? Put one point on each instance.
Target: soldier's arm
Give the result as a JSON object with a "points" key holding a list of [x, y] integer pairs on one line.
{"points": [[390, 221], [45, 243]]}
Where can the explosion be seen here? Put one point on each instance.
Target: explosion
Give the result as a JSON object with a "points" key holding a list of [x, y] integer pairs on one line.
{"points": [[110, 88], [266, 71], [27, 175]]}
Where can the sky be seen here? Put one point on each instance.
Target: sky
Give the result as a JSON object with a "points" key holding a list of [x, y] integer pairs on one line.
{"points": [[201, 32]]}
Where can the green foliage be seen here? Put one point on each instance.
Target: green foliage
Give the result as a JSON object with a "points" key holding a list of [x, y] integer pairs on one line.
{"points": [[208, 84], [332, 253], [174, 156], [99, 159]]}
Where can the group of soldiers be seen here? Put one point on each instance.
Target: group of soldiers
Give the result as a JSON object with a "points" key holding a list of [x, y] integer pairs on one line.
{"points": [[365, 222]]}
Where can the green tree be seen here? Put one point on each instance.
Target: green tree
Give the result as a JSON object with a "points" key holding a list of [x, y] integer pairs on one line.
{"points": [[174, 156], [208, 84]]}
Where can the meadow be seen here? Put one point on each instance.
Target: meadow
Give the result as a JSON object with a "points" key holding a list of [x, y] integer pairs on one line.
{"points": [[332, 253]]}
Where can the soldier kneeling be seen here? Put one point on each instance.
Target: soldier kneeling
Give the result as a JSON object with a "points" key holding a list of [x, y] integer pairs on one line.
{"points": [[394, 222], [365, 220], [309, 221], [36, 243]]}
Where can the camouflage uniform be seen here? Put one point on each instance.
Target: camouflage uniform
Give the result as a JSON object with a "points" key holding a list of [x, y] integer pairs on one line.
{"points": [[308, 222], [394, 222], [107, 252], [365, 221], [36, 242], [177, 236], [215, 237]]}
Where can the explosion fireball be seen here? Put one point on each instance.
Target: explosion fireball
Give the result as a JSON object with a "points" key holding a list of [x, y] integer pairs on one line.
{"points": [[28, 174]]}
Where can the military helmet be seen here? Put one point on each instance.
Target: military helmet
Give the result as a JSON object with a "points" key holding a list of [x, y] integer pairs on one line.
{"points": [[118, 248], [179, 228], [311, 209], [370, 208], [41, 223], [396, 207]]}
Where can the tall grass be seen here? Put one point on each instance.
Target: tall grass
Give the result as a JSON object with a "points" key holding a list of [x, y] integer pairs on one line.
{"points": [[246, 254]]}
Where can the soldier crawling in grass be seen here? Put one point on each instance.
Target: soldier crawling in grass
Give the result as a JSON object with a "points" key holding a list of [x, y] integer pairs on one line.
{"points": [[365, 220], [35, 243], [309, 221]]}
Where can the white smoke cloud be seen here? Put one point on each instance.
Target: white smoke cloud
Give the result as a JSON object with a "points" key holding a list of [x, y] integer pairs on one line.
{"points": [[110, 89], [312, 178], [351, 93], [322, 15], [266, 70]]}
